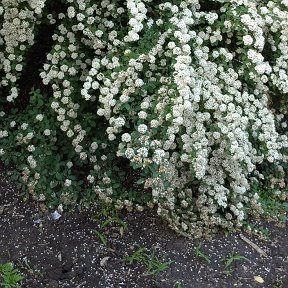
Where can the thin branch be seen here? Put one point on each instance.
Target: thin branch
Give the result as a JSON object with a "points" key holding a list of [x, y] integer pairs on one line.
{"points": [[253, 245]]}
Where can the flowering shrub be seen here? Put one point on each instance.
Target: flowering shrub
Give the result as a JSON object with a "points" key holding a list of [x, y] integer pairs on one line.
{"points": [[180, 105]]}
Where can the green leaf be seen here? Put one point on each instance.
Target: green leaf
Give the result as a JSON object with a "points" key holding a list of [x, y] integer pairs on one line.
{"points": [[101, 236]]}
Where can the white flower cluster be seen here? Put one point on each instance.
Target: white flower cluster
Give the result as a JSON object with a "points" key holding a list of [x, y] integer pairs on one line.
{"points": [[138, 12], [16, 35], [189, 108]]}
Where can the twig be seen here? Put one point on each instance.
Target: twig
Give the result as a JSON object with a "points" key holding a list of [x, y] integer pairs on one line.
{"points": [[6, 205], [81, 285], [253, 245]]}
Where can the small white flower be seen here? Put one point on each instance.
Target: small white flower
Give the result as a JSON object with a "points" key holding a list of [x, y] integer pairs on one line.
{"points": [[70, 133], [24, 126], [47, 132], [94, 146], [144, 105], [139, 83], [31, 148], [39, 117], [142, 115], [248, 40], [154, 123], [142, 128], [67, 182], [119, 122], [129, 153], [69, 164], [126, 137], [90, 178]]}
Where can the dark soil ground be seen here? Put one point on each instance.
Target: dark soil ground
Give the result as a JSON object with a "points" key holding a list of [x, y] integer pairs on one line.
{"points": [[68, 252]]}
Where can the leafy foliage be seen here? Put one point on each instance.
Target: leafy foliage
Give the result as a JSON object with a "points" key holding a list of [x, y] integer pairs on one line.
{"points": [[153, 265], [9, 276]]}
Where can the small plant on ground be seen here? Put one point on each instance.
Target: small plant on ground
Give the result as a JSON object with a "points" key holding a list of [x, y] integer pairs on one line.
{"points": [[278, 283], [9, 276], [230, 260], [102, 237], [137, 256], [108, 218], [178, 285], [200, 253], [152, 263]]}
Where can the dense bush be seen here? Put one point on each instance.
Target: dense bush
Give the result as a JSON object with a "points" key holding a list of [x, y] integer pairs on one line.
{"points": [[180, 105]]}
